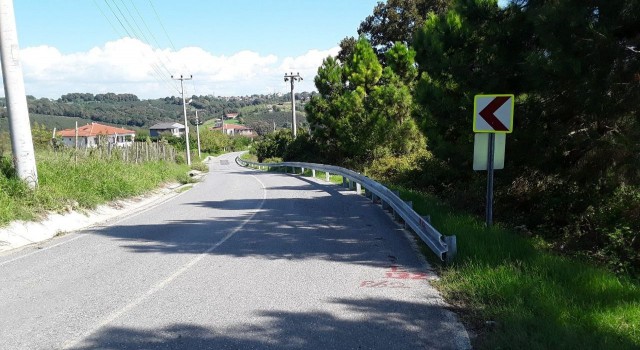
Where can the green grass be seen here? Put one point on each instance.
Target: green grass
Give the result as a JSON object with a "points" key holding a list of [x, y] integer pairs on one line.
{"points": [[92, 181], [336, 179], [517, 295], [249, 157]]}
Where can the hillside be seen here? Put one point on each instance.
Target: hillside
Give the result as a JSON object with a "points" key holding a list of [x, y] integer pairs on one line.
{"points": [[257, 111], [262, 117], [49, 121]]}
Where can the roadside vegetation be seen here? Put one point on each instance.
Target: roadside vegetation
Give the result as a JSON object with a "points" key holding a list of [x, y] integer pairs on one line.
{"points": [[83, 179], [560, 269], [514, 293]]}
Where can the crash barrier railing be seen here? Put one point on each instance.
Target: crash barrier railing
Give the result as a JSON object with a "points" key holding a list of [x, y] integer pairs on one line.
{"points": [[443, 246]]}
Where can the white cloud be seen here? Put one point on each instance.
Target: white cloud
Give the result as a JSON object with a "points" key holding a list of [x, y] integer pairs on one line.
{"points": [[128, 65]]}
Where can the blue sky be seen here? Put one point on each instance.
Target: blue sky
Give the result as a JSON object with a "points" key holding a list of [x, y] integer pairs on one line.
{"points": [[231, 47]]}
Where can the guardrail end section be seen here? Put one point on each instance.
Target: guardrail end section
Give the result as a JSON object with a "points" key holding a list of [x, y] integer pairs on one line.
{"points": [[452, 248]]}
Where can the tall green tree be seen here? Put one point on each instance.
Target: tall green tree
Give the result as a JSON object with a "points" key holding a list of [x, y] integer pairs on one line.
{"points": [[362, 107], [573, 66], [395, 21]]}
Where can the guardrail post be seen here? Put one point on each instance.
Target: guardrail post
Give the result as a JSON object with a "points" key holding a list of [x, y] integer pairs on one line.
{"points": [[427, 218], [358, 188], [375, 199], [352, 184], [452, 248], [385, 205], [327, 176], [313, 172], [302, 170], [345, 182]]}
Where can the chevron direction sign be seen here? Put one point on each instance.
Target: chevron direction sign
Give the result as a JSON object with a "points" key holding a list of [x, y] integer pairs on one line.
{"points": [[493, 113]]}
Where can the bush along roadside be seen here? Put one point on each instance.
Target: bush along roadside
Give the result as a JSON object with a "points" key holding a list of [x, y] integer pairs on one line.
{"points": [[65, 184], [513, 293]]}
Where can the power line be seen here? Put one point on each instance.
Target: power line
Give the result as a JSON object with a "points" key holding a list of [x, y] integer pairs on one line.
{"points": [[131, 32], [130, 23], [166, 33], [151, 34], [118, 18], [107, 18], [163, 28]]}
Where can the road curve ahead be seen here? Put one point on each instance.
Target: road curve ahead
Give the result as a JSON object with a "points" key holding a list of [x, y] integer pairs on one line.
{"points": [[244, 260]]}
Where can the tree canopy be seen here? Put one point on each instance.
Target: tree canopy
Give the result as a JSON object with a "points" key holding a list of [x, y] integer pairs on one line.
{"points": [[573, 67], [363, 108]]}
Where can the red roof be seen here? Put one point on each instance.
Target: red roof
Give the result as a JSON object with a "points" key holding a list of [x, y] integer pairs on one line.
{"points": [[94, 129]]}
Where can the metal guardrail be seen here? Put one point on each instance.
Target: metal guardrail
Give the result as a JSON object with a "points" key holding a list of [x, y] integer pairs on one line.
{"points": [[443, 246]]}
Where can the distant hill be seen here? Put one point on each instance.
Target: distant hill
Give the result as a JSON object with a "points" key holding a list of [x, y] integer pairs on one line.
{"points": [[49, 121], [129, 111], [264, 116]]}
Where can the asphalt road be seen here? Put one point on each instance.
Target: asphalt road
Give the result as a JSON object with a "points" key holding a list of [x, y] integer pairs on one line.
{"points": [[244, 260]]}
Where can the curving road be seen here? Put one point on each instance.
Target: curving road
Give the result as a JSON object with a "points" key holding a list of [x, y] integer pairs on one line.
{"points": [[244, 260]]}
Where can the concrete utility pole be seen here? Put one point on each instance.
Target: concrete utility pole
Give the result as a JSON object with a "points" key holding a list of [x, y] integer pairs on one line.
{"points": [[198, 132], [184, 109], [293, 79], [21, 139]]}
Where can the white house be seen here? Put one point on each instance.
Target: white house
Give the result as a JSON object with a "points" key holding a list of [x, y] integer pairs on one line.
{"points": [[94, 134], [235, 130], [175, 129]]}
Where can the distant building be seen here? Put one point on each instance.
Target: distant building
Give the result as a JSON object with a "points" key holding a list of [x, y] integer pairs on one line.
{"points": [[175, 129], [231, 115], [94, 135], [236, 130]]}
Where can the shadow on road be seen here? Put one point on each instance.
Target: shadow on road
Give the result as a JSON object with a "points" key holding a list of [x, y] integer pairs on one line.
{"points": [[326, 224], [389, 324]]}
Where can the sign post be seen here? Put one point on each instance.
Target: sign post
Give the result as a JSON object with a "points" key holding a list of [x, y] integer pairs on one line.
{"points": [[492, 114], [489, 206]]}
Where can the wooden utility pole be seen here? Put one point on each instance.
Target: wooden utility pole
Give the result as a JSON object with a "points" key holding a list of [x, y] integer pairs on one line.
{"points": [[293, 78], [20, 129], [198, 132], [184, 109]]}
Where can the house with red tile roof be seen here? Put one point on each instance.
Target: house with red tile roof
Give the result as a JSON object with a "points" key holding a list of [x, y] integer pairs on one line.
{"points": [[231, 115], [94, 135], [236, 130]]}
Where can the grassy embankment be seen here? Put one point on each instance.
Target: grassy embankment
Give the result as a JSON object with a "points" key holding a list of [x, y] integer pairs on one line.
{"points": [[513, 293], [65, 185]]}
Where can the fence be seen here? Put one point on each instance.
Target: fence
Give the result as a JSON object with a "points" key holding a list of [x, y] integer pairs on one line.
{"points": [[135, 152], [443, 246]]}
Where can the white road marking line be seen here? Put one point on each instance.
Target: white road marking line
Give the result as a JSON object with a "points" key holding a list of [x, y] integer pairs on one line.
{"points": [[116, 314], [42, 250]]}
